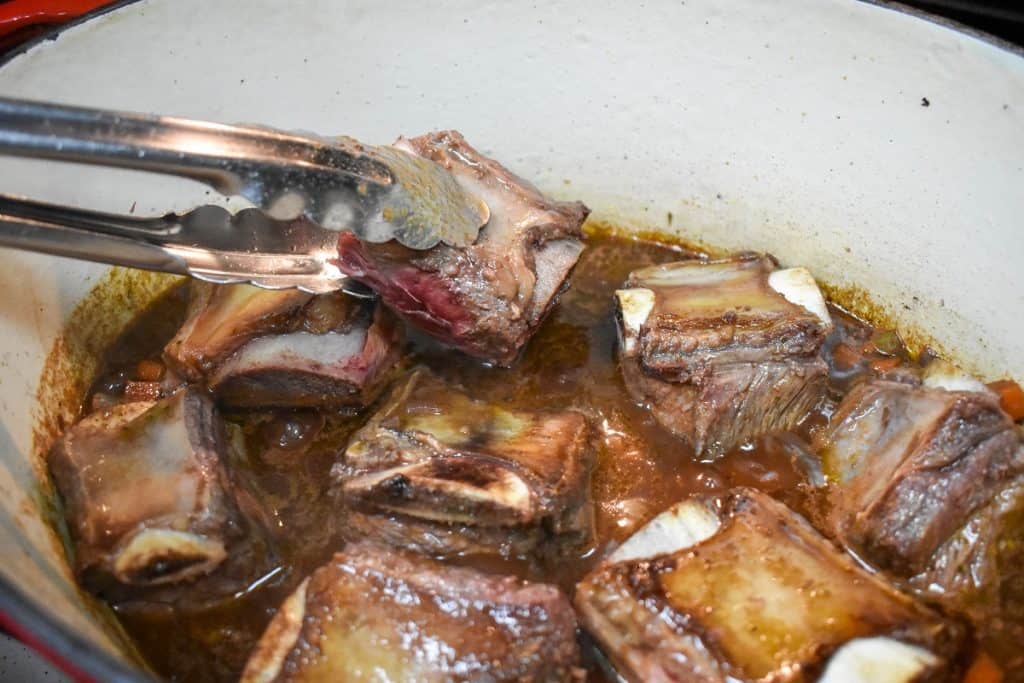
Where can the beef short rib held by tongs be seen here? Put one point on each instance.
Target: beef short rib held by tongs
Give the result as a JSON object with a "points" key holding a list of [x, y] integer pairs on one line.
{"points": [[305, 190]]}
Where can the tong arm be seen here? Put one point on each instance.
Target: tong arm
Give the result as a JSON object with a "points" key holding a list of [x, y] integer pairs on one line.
{"points": [[208, 243], [379, 193]]}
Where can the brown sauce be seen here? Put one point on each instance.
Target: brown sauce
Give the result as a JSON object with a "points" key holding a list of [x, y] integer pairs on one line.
{"points": [[570, 362]]}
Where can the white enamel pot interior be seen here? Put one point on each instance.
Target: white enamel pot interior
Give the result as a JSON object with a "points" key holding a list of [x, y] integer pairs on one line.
{"points": [[881, 150]]}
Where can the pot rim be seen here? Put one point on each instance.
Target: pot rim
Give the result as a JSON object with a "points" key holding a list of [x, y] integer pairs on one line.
{"points": [[58, 643], [892, 5]]}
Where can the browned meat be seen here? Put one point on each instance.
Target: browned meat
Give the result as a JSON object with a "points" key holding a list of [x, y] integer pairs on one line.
{"points": [[488, 298], [258, 348], [149, 505], [337, 358], [439, 472], [930, 487], [723, 351], [377, 614], [222, 318], [741, 588]]}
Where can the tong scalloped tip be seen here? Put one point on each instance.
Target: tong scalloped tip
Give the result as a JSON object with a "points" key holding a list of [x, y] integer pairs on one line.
{"points": [[305, 190]]}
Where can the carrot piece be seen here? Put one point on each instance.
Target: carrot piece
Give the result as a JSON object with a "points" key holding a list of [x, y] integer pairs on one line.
{"points": [[884, 364], [1011, 397], [142, 391], [149, 370], [983, 670], [846, 356]]}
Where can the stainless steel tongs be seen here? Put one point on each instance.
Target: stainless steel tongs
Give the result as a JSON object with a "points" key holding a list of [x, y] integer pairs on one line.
{"points": [[305, 191]]}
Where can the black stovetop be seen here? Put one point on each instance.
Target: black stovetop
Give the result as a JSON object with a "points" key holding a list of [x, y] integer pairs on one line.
{"points": [[1001, 18]]}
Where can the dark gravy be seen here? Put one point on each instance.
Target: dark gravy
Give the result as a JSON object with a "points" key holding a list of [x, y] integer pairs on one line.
{"points": [[571, 361]]}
